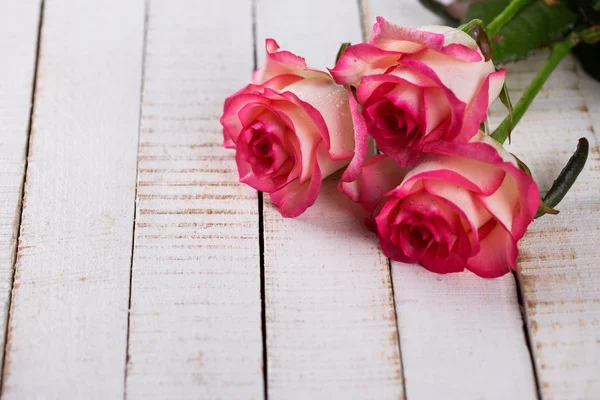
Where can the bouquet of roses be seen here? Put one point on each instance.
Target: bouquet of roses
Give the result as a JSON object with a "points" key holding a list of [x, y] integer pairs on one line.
{"points": [[441, 192]]}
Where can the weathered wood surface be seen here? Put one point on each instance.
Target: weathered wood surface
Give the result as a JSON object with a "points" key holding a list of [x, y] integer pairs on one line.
{"points": [[462, 336], [331, 326], [560, 275], [195, 325], [195, 328], [19, 22], [68, 321]]}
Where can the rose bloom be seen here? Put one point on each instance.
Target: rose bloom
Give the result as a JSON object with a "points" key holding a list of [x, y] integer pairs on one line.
{"points": [[461, 206], [291, 128], [418, 86]]}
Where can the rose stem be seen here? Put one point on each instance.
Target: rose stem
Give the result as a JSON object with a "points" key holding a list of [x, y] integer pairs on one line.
{"points": [[506, 15], [559, 51]]}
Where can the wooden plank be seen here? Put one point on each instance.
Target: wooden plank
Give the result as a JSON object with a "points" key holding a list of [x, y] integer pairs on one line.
{"points": [[461, 332], [195, 329], [559, 259], [331, 326], [18, 24], [68, 320]]}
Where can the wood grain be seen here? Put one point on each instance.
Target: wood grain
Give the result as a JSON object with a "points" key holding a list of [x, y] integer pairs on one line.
{"points": [[560, 275], [18, 24], [331, 326], [67, 327], [462, 336], [195, 330]]}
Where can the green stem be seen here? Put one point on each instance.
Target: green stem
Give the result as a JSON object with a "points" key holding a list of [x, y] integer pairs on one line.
{"points": [[506, 15], [559, 51]]}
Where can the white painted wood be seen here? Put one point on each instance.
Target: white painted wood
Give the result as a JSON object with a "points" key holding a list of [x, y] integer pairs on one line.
{"points": [[195, 330], [559, 256], [18, 24], [461, 336], [67, 329], [331, 326]]}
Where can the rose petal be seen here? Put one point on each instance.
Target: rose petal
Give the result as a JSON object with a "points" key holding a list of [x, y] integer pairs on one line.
{"points": [[295, 197], [478, 177], [331, 101], [457, 106], [460, 77], [497, 255], [463, 200], [361, 60], [281, 62], [361, 142], [388, 36], [452, 36], [378, 175]]}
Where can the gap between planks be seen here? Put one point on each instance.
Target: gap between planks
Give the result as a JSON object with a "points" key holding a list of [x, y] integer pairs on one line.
{"points": [[261, 236], [135, 201], [22, 194]]}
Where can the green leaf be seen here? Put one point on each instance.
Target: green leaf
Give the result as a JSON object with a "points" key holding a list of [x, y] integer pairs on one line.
{"points": [[567, 176], [545, 209], [522, 166], [441, 11], [483, 127], [486, 10], [342, 49], [537, 26], [505, 99]]}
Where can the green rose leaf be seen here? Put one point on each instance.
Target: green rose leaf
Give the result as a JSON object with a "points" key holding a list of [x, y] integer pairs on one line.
{"points": [[537, 26]]}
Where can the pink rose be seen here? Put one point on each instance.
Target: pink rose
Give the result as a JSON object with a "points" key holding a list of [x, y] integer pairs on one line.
{"points": [[461, 206], [290, 128], [418, 86]]}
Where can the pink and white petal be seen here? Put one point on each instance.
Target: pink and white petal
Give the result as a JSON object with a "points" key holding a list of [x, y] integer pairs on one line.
{"points": [[463, 200], [478, 177], [379, 175], [451, 35], [282, 62], [497, 254], [463, 53], [482, 147], [247, 176], [503, 203], [362, 60], [230, 120], [496, 83], [311, 116], [462, 78], [331, 101], [279, 82], [476, 113], [307, 124], [408, 98], [391, 37], [295, 197], [457, 106], [327, 165], [436, 109], [529, 196], [403, 75], [477, 110], [361, 142]]}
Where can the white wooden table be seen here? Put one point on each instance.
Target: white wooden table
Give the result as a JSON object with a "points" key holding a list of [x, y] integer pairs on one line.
{"points": [[133, 265]]}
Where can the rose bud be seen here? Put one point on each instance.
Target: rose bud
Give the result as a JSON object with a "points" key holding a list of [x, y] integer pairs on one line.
{"points": [[418, 86], [461, 206], [291, 128]]}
